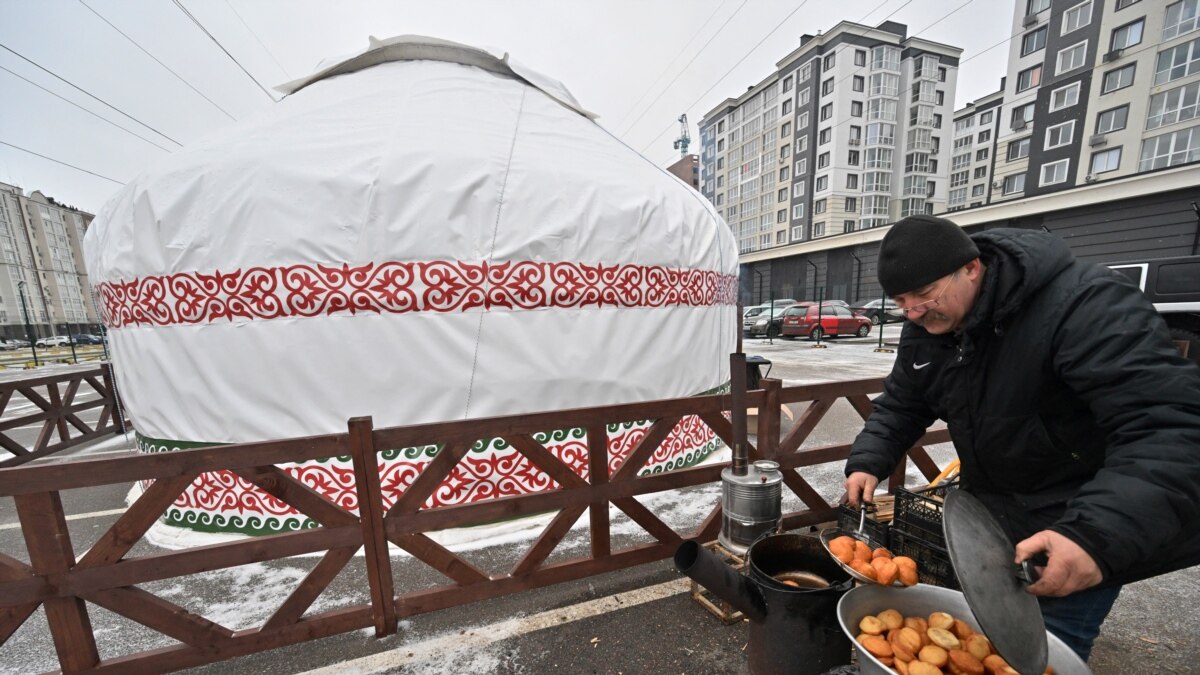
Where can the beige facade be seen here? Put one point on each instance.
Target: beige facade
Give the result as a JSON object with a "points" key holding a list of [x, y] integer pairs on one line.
{"points": [[41, 262]]}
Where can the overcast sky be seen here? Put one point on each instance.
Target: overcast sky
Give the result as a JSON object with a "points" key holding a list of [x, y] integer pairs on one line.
{"points": [[636, 63]]}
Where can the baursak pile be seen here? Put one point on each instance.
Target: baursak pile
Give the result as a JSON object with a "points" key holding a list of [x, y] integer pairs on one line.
{"points": [[876, 564], [935, 645]]}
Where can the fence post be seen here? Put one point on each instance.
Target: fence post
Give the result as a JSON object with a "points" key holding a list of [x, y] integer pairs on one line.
{"points": [[370, 512], [50, 552], [597, 438], [767, 436]]}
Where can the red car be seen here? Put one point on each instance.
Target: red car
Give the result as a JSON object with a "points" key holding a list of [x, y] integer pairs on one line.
{"points": [[801, 320]]}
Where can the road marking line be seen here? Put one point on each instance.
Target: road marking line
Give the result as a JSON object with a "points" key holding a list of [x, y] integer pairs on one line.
{"points": [[78, 516], [481, 637]]}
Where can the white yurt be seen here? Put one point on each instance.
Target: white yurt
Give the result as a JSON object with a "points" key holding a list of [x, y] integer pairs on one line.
{"points": [[423, 231]]}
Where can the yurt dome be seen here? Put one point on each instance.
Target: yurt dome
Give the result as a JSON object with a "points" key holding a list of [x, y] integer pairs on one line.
{"points": [[423, 231]]}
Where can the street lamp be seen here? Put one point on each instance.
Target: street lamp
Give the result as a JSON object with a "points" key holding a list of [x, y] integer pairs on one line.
{"points": [[28, 328]]}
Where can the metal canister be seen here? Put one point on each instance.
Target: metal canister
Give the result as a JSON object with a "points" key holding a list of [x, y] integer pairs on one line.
{"points": [[751, 505]]}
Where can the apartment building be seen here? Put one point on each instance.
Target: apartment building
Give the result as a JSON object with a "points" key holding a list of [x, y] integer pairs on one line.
{"points": [[687, 169], [41, 263], [851, 132], [973, 151], [1097, 90]]}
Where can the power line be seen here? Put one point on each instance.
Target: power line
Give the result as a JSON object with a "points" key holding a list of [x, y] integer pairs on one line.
{"points": [[99, 117], [36, 154], [689, 65], [260, 42], [222, 48], [177, 75], [89, 94]]}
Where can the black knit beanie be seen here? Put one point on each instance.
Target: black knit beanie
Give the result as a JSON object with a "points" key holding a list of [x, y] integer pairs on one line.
{"points": [[920, 250]]}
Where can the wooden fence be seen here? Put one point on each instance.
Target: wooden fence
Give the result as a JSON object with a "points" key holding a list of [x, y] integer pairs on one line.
{"points": [[59, 399], [107, 576]]}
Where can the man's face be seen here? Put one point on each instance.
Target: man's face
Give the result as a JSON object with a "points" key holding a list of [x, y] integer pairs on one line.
{"points": [[942, 306]]}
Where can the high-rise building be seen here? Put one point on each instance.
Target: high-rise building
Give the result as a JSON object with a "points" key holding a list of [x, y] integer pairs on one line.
{"points": [[1096, 91], [42, 276], [851, 132], [973, 151], [687, 169]]}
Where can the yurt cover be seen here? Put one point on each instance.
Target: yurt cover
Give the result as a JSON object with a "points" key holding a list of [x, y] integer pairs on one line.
{"points": [[423, 231]]}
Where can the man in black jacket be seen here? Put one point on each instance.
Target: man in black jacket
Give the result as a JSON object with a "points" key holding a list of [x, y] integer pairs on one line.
{"points": [[1076, 421]]}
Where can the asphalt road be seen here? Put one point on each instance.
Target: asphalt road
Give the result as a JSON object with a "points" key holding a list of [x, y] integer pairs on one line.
{"points": [[640, 620]]}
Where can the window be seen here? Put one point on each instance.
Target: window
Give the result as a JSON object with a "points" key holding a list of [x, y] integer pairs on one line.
{"points": [[1122, 4], [940, 99], [852, 158], [785, 129], [1175, 105], [818, 206], [977, 190], [806, 71], [981, 172], [960, 178], [798, 189], [1106, 160], [721, 127], [787, 84], [855, 133], [824, 136], [1113, 120], [885, 57], [859, 83], [721, 145], [1022, 116], [801, 144], [958, 196], [1034, 41], [1117, 79], [879, 158], [885, 84], [1029, 78], [801, 167], [856, 109], [1014, 183], [784, 173], [803, 96], [821, 185], [960, 161], [802, 123], [780, 238], [1064, 97], [782, 195], [826, 111], [781, 216], [1178, 62], [877, 181], [818, 229], [1181, 17], [875, 206], [1060, 134], [827, 87], [1127, 36], [985, 117], [822, 160], [785, 152], [942, 72], [1077, 17], [981, 155], [851, 181], [1170, 149], [1018, 149], [984, 136], [1071, 58], [881, 109], [829, 61], [720, 163], [1055, 172], [1035, 6], [797, 211], [851, 205], [787, 106], [860, 57]]}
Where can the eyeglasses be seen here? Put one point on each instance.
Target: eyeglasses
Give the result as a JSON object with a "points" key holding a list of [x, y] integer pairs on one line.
{"points": [[907, 311]]}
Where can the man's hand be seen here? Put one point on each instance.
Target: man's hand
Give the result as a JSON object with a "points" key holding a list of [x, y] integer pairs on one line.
{"points": [[860, 487], [1069, 568]]}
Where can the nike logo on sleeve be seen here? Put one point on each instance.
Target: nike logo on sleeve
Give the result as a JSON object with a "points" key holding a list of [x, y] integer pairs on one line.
{"points": [[918, 366]]}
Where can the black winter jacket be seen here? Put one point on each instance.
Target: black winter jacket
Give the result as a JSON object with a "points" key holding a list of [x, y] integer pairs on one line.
{"points": [[1067, 403]]}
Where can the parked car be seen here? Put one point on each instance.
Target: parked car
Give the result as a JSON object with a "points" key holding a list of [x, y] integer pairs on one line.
{"points": [[809, 320], [752, 314], [53, 341], [879, 312], [765, 324], [16, 344], [87, 339]]}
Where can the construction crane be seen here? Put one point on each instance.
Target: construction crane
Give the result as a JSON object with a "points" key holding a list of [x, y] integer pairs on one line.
{"points": [[681, 143]]}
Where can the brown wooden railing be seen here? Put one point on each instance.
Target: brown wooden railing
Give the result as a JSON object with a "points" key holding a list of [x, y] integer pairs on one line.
{"points": [[56, 397], [108, 577]]}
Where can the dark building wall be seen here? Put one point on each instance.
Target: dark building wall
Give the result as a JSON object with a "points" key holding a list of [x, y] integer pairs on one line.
{"points": [[1156, 225]]}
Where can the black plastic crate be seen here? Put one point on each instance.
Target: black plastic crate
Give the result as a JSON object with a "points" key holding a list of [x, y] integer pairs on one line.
{"points": [[875, 531], [919, 512], [933, 562]]}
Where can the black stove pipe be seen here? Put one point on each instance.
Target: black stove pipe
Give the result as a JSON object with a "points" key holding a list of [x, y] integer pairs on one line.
{"points": [[737, 384], [717, 576]]}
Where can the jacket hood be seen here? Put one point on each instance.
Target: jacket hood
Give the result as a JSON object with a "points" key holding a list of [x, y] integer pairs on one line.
{"points": [[1019, 263]]}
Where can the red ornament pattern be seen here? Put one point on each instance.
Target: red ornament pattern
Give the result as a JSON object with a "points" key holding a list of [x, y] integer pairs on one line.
{"points": [[500, 471], [263, 293]]}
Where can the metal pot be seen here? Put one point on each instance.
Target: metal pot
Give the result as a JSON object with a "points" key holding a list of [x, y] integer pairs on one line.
{"points": [[792, 629], [922, 600]]}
